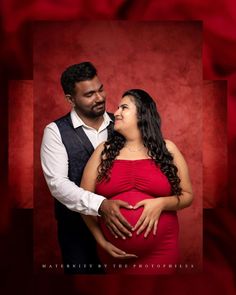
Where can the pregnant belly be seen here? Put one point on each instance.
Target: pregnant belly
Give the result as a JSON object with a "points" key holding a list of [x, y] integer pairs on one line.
{"points": [[167, 230]]}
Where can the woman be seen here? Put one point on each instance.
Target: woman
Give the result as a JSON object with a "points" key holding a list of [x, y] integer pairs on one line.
{"points": [[138, 166]]}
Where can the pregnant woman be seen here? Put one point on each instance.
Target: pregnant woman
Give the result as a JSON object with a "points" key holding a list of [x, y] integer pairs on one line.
{"points": [[138, 166]]}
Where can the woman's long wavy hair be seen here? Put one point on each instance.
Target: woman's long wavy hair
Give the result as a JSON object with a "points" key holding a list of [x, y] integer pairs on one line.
{"points": [[149, 123]]}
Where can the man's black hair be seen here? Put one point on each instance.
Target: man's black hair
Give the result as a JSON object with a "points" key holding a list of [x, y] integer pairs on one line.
{"points": [[76, 73]]}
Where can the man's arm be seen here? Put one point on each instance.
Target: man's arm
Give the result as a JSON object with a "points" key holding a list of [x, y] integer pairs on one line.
{"points": [[54, 160]]}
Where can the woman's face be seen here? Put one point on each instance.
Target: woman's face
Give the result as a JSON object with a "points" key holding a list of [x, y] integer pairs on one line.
{"points": [[126, 116]]}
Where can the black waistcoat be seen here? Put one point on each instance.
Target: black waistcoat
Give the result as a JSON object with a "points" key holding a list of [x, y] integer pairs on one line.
{"points": [[79, 150]]}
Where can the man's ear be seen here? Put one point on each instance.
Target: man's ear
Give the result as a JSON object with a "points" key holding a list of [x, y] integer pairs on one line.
{"points": [[70, 99]]}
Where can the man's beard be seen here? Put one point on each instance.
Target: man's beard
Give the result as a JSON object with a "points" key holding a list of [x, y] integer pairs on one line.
{"points": [[92, 113], [98, 110]]}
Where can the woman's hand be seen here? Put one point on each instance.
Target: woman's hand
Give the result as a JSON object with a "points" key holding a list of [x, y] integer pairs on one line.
{"points": [[116, 252], [149, 218]]}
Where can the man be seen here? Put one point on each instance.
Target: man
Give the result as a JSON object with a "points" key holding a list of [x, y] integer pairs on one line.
{"points": [[66, 147]]}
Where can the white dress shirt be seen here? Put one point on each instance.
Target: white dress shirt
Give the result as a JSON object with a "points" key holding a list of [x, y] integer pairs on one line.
{"points": [[54, 160]]}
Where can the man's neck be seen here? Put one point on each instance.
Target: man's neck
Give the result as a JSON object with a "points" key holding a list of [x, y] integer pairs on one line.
{"points": [[95, 122]]}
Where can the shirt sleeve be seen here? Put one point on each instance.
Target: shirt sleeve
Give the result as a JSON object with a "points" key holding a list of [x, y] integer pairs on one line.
{"points": [[54, 160]]}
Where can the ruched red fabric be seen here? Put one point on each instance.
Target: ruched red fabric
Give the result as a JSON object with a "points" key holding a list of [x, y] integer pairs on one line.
{"points": [[133, 181]]}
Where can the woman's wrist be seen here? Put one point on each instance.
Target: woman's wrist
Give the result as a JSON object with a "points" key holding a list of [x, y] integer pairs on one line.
{"points": [[162, 203], [170, 203], [101, 241]]}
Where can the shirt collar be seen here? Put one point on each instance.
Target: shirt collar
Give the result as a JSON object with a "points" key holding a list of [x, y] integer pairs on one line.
{"points": [[77, 121]]}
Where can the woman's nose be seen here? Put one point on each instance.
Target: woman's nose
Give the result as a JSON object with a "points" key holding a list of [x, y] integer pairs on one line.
{"points": [[117, 112]]}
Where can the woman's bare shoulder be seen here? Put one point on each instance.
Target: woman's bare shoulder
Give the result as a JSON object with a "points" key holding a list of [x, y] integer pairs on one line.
{"points": [[100, 147], [171, 146], [96, 155]]}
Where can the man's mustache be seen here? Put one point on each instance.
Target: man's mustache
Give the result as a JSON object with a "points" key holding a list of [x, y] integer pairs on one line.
{"points": [[99, 104]]}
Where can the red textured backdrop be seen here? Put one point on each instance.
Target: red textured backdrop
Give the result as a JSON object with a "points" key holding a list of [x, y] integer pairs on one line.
{"points": [[215, 174], [156, 61], [20, 160], [219, 62]]}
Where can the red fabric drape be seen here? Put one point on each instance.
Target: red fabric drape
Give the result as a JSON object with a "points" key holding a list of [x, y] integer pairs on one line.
{"points": [[219, 62]]}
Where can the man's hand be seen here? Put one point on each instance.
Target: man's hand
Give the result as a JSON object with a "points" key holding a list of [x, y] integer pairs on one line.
{"points": [[115, 221]]}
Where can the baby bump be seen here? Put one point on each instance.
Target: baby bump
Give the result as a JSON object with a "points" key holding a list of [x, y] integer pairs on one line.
{"points": [[167, 229]]}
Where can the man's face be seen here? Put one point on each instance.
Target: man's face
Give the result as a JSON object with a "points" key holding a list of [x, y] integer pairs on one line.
{"points": [[89, 98]]}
